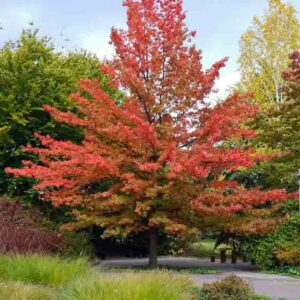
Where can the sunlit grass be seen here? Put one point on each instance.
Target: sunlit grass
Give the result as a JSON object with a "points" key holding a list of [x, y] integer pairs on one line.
{"points": [[22, 291], [37, 269], [201, 248], [36, 277], [130, 286]]}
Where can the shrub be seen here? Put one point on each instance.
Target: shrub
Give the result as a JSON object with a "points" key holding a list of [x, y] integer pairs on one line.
{"points": [[19, 232], [134, 286], [231, 287], [48, 270], [277, 247], [293, 271], [21, 291], [170, 244], [76, 244], [289, 253]]}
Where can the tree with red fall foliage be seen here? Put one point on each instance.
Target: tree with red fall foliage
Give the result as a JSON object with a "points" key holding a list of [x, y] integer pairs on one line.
{"points": [[161, 152]]}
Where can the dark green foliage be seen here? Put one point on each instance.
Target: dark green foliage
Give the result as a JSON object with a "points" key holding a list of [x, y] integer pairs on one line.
{"points": [[264, 248], [293, 271], [261, 297], [77, 244], [33, 74], [231, 287], [281, 172], [170, 245]]}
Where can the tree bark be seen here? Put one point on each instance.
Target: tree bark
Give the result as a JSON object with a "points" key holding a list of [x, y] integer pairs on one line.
{"points": [[223, 256], [234, 256], [153, 237]]}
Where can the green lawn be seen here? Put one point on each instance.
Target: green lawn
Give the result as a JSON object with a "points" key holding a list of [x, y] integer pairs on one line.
{"points": [[202, 248]]}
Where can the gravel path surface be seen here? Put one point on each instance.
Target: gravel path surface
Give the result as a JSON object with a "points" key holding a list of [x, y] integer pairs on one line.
{"points": [[275, 286]]}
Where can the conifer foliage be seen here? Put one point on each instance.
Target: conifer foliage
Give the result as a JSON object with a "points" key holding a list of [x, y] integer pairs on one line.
{"points": [[155, 161]]}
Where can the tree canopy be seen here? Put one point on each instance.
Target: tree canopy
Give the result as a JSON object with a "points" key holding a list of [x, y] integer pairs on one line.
{"points": [[32, 74], [265, 48], [155, 161], [280, 128]]}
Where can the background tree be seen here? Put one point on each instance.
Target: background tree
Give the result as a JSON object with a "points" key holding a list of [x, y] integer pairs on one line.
{"points": [[33, 74], [280, 247], [161, 153], [265, 48], [283, 131], [280, 128]]}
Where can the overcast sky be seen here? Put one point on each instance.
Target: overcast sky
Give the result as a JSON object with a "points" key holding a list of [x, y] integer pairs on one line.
{"points": [[86, 24]]}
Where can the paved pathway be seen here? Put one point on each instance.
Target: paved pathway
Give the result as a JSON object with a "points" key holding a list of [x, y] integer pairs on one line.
{"points": [[182, 262], [275, 286]]}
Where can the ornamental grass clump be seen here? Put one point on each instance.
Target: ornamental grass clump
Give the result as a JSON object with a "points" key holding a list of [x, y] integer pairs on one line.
{"points": [[36, 269], [132, 286], [22, 291]]}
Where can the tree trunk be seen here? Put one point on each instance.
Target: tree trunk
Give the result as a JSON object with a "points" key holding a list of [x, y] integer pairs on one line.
{"points": [[234, 256], [223, 256], [153, 237]]}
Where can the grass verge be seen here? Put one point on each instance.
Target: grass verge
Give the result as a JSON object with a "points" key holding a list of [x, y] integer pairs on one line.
{"points": [[191, 270], [134, 286], [291, 271], [37, 269], [35, 277], [22, 291]]}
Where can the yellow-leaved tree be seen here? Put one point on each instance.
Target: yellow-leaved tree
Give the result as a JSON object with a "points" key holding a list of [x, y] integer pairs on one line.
{"points": [[265, 49]]}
